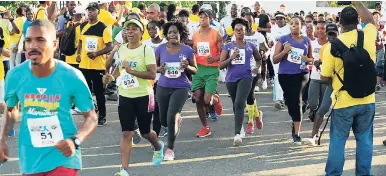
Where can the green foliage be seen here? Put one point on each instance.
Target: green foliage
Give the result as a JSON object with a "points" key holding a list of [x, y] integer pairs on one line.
{"points": [[13, 5], [184, 4], [368, 4]]}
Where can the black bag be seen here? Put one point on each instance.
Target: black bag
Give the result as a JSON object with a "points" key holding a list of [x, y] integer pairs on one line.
{"points": [[359, 79], [67, 40]]}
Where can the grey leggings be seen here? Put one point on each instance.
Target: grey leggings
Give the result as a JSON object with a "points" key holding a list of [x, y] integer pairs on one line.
{"points": [[170, 102], [323, 109], [315, 94], [239, 92]]}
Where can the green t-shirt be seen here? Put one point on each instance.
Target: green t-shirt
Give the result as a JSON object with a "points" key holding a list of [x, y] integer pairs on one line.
{"points": [[116, 30], [131, 86]]}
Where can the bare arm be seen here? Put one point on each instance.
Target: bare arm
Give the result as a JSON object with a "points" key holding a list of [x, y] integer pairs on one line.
{"points": [[192, 67], [8, 124], [15, 29], [51, 12], [224, 60], [279, 53], [5, 52], [120, 16], [107, 49], [363, 13], [110, 57], [257, 56], [88, 126]]}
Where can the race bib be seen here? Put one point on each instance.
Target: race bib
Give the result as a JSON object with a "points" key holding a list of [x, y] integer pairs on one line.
{"points": [[203, 49], [91, 44], [295, 55], [129, 81], [45, 132], [240, 60], [173, 70]]}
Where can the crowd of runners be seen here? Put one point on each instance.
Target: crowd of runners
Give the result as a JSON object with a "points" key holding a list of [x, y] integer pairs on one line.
{"points": [[152, 59]]}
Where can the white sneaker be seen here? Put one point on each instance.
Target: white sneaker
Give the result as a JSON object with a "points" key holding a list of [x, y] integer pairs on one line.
{"points": [[264, 85], [257, 89], [122, 172], [237, 141], [242, 132], [310, 142], [169, 155]]}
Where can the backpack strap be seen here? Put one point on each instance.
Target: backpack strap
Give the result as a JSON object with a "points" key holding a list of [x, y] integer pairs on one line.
{"points": [[360, 39], [338, 48]]}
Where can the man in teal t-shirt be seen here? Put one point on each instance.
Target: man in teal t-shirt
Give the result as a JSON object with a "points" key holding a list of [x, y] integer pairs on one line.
{"points": [[49, 142]]}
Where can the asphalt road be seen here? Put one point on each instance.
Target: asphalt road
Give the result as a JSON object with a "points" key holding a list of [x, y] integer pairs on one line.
{"points": [[266, 152]]}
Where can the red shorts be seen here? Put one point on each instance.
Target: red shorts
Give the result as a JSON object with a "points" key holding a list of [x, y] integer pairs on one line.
{"points": [[59, 171]]}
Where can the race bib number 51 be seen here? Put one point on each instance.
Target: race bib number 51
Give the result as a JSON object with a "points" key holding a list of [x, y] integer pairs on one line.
{"points": [[295, 55], [173, 70], [91, 44], [203, 49], [45, 132]]}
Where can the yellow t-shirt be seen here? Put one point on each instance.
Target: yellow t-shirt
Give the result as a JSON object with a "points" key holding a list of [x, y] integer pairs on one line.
{"points": [[72, 59], [321, 51], [229, 30], [194, 18], [19, 21], [41, 14], [6, 25], [106, 18], [2, 73], [94, 38], [331, 64], [139, 58]]}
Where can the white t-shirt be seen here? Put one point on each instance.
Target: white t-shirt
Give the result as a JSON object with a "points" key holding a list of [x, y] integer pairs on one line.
{"points": [[226, 22], [315, 74], [277, 32], [119, 38], [256, 39], [148, 42]]}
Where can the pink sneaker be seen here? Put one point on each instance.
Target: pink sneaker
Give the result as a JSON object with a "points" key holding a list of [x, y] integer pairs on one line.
{"points": [[250, 128], [259, 121]]}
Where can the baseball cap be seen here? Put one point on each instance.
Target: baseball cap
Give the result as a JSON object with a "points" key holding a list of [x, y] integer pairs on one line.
{"points": [[92, 5], [207, 12], [279, 14], [134, 21], [2, 9], [206, 6], [332, 27], [78, 10]]}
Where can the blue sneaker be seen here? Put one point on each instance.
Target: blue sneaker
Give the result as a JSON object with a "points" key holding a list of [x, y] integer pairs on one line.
{"points": [[158, 156], [214, 116], [12, 133]]}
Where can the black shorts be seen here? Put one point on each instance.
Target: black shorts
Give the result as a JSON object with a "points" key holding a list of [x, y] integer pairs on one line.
{"points": [[140, 108]]}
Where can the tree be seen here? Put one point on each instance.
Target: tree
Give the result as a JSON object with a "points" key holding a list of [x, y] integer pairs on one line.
{"points": [[13, 5]]}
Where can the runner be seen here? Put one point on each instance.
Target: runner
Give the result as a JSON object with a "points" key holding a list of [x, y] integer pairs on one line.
{"points": [[95, 42], [176, 60], [258, 40], [316, 86], [136, 96], [236, 56], [293, 72], [281, 29], [154, 42], [324, 106], [46, 99], [207, 44]]}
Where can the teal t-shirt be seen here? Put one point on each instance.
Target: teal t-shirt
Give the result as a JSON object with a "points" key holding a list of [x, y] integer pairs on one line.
{"points": [[46, 119]]}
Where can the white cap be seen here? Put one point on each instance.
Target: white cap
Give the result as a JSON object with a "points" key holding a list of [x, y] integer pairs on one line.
{"points": [[79, 10], [206, 6], [103, 1]]}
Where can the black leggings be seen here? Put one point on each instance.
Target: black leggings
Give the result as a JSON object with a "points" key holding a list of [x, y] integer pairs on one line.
{"points": [[156, 120], [293, 86], [251, 96], [271, 71], [94, 80]]}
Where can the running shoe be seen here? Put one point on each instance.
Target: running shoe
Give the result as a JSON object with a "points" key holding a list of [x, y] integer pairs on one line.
{"points": [[177, 125], [259, 121], [169, 155], [264, 85], [213, 116], [102, 121], [237, 141], [12, 133], [310, 142], [271, 82], [189, 96], [163, 132], [384, 142], [257, 89], [218, 106], [137, 136], [158, 156], [279, 105], [122, 172], [250, 128], [204, 132], [297, 140], [377, 88]]}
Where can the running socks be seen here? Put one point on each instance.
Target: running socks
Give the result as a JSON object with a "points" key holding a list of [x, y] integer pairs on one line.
{"points": [[251, 113], [256, 110]]}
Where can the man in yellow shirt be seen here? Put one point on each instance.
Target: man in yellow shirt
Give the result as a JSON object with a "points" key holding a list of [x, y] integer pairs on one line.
{"points": [[77, 19], [106, 17], [15, 37], [349, 112], [7, 23], [96, 42], [152, 14], [41, 12], [194, 15]]}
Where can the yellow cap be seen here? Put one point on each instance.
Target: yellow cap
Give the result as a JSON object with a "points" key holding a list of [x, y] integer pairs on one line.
{"points": [[2, 9]]}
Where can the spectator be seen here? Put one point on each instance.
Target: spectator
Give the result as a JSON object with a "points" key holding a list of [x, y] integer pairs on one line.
{"points": [[170, 13], [194, 15]]}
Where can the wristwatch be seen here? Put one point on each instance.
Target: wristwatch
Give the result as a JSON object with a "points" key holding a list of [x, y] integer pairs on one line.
{"points": [[76, 141]]}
